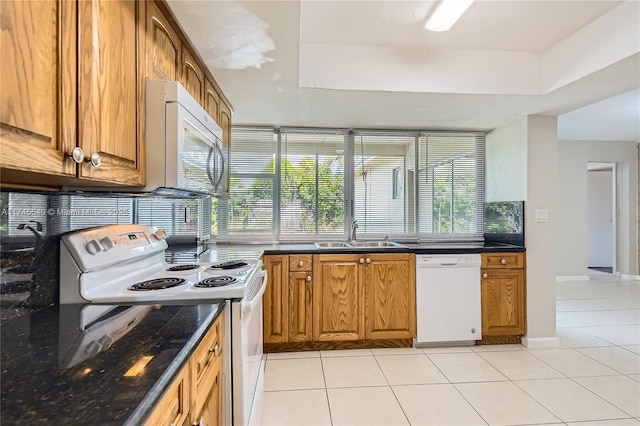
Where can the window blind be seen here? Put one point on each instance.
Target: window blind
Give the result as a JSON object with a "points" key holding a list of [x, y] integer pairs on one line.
{"points": [[250, 209], [383, 165], [312, 192], [451, 186]]}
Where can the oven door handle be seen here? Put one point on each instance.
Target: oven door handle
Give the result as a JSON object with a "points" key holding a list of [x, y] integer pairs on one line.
{"points": [[247, 307]]}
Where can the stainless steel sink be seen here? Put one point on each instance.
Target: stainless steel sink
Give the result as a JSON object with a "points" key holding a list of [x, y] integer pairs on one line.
{"points": [[377, 244], [332, 244]]}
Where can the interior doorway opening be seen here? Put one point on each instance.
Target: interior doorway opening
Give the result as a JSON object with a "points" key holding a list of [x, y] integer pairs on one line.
{"points": [[601, 217]]}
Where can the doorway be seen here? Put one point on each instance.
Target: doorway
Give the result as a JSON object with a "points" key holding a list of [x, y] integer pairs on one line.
{"points": [[601, 222]]}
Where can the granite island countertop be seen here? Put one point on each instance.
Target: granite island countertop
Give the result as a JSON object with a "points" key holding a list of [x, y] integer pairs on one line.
{"points": [[55, 373]]}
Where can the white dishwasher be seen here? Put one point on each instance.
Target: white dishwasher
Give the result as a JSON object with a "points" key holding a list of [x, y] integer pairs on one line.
{"points": [[448, 299]]}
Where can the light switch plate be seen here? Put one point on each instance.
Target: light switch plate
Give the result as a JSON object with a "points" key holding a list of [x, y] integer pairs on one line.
{"points": [[542, 215]]}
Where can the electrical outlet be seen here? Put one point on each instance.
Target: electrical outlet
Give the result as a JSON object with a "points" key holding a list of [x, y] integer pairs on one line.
{"points": [[542, 215]]}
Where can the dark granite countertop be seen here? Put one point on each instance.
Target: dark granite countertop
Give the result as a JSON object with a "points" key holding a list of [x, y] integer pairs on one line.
{"points": [[53, 373], [223, 251]]}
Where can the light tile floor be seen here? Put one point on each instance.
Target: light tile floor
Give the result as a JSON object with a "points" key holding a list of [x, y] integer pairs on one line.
{"points": [[592, 379]]}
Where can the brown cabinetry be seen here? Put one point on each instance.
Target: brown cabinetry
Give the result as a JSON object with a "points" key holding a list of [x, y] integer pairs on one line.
{"points": [[70, 79], [389, 296], [162, 45], [339, 298], [275, 300], [192, 76], [300, 291], [195, 395], [503, 297]]}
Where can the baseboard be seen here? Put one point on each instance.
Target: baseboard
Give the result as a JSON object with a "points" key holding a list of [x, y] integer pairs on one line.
{"points": [[630, 277], [560, 278], [541, 342]]}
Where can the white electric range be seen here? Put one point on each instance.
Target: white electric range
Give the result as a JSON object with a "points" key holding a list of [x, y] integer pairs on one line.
{"points": [[125, 265]]}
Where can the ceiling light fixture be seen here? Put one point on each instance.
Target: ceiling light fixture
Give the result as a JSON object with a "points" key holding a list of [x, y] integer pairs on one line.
{"points": [[447, 13]]}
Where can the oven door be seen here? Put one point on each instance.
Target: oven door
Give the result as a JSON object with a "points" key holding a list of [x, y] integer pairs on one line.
{"points": [[247, 354]]}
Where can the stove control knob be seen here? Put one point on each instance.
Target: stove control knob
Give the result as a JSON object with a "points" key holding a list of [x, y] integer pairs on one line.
{"points": [[107, 243], [106, 342], [94, 247], [160, 234], [93, 348]]}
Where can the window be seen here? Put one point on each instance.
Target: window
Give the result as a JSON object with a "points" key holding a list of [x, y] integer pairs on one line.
{"points": [[307, 184], [451, 184], [381, 206]]}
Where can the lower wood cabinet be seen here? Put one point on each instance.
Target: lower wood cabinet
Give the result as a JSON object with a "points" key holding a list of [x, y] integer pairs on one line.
{"points": [[339, 297], [195, 395], [503, 296]]}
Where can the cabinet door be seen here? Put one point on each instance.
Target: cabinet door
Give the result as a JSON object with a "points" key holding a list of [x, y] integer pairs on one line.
{"points": [[173, 408], [274, 302], [503, 302], [162, 46], [212, 101], [337, 293], [225, 124], [38, 87], [192, 77], [389, 295], [210, 414], [109, 90], [300, 308]]}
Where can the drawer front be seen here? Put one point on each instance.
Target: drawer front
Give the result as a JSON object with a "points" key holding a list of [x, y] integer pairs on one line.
{"points": [[503, 260], [300, 262], [207, 353]]}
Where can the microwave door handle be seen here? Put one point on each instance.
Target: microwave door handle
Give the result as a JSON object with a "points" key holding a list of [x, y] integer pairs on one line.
{"points": [[221, 175], [208, 167]]}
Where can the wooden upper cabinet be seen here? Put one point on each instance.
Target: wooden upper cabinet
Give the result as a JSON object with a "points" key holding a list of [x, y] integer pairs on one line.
{"points": [[109, 91], [211, 101], [389, 296], [38, 87], [192, 76], [162, 46], [337, 289]]}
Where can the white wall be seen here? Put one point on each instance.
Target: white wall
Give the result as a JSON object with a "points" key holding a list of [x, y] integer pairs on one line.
{"points": [[600, 218], [572, 237], [540, 237], [506, 163]]}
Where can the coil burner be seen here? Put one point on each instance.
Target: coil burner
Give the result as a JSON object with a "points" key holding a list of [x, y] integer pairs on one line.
{"points": [[231, 264], [219, 281], [183, 267], [157, 284]]}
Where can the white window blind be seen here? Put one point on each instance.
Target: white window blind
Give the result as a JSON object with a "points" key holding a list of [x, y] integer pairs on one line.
{"points": [[250, 209], [450, 182], [312, 197], [384, 164]]}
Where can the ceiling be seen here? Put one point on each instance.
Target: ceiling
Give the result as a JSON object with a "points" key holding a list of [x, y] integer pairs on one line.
{"points": [[371, 64]]}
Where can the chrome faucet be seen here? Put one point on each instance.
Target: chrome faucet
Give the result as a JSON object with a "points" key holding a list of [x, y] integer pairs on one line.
{"points": [[354, 226]]}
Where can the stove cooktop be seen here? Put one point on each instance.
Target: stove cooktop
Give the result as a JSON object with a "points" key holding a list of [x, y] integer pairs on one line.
{"points": [[126, 264]]}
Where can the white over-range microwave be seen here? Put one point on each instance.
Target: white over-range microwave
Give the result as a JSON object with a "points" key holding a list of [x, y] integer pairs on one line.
{"points": [[184, 149]]}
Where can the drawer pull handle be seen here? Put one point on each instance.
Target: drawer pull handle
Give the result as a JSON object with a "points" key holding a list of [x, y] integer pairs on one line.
{"points": [[368, 260], [361, 260], [216, 350], [76, 154], [300, 263], [485, 275], [308, 278], [503, 261]]}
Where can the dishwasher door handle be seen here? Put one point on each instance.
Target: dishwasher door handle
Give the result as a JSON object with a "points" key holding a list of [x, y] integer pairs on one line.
{"points": [[448, 264]]}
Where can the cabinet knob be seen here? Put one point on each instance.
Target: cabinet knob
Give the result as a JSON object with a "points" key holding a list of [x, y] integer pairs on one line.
{"points": [[503, 261], [76, 154], [95, 160], [368, 260], [485, 275], [300, 263], [308, 277], [361, 260]]}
